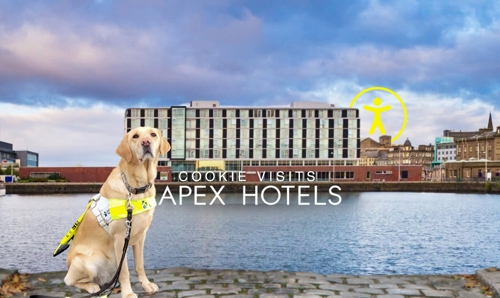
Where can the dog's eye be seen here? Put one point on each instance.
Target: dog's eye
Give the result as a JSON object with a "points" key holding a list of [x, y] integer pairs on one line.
{"points": [[153, 134], [135, 136]]}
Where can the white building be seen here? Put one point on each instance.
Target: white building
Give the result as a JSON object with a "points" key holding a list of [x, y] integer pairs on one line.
{"points": [[305, 133]]}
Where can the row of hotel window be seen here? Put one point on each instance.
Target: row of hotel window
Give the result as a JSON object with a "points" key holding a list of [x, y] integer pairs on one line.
{"points": [[271, 143], [188, 165], [292, 176], [244, 113], [259, 133], [244, 123], [270, 153]]}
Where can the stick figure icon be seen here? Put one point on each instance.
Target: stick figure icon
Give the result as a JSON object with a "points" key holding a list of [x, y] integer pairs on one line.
{"points": [[377, 120]]}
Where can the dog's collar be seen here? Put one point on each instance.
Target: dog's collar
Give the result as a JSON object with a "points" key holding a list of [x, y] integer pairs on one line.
{"points": [[132, 190]]}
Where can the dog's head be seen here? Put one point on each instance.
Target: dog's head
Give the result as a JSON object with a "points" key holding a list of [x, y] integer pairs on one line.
{"points": [[143, 143]]}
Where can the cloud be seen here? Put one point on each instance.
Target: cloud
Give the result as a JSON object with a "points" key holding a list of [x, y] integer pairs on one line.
{"points": [[162, 52], [429, 114], [65, 137]]}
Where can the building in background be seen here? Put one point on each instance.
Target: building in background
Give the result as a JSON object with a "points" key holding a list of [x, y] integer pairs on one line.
{"points": [[384, 153], [23, 158], [7, 153], [373, 152], [27, 158], [407, 154], [445, 150]]}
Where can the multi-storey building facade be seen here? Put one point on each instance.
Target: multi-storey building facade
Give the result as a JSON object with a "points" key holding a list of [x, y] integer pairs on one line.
{"points": [[410, 155], [445, 150], [482, 146], [17, 158], [305, 132]]}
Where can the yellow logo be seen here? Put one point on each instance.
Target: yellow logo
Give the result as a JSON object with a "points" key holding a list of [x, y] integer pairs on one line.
{"points": [[377, 111]]}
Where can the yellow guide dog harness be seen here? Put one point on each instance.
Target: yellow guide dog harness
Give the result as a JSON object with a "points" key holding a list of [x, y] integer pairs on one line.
{"points": [[106, 210]]}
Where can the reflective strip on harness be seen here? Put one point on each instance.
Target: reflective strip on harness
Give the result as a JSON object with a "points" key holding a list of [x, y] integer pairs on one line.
{"points": [[118, 207]]}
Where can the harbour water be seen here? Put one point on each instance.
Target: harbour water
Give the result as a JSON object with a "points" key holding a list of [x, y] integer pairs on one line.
{"points": [[367, 233]]}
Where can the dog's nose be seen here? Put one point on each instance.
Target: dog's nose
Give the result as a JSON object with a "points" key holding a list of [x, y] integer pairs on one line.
{"points": [[146, 142]]}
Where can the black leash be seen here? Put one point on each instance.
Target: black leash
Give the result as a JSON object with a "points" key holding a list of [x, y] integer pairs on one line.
{"points": [[106, 290]]}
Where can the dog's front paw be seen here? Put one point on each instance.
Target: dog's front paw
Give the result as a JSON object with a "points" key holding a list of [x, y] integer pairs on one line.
{"points": [[150, 288], [92, 288]]}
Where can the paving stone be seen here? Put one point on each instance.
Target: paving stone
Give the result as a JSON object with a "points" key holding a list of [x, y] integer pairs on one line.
{"points": [[237, 296], [337, 280], [320, 292], [186, 282], [309, 274], [182, 287], [360, 281], [306, 296], [169, 278], [340, 276], [273, 296], [198, 277], [191, 293], [336, 287], [285, 291], [205, 286], [396, 281], [162, 295], [390, 296], [244, 286], [417, 287], [204, 296], [369, 291], [225, 291], [466, 294], [383, 286], [257, 292], [271, 286], [300, 286], [313, 281], [354, 295], [224, 281], [436, 293], [404, 292]]}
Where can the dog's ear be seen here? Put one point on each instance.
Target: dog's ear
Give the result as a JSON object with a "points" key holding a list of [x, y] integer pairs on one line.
{"points": [[164, 146], [124, 150]]}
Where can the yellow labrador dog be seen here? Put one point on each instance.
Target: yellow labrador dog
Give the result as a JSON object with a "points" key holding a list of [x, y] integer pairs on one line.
{"points": [[95, 251]]}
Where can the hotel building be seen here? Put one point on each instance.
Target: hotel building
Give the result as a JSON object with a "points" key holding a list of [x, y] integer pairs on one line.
{"points": [[305, 136], [305, 133]]}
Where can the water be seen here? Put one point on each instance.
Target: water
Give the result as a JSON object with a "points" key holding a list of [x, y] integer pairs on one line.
{"points": [[367, 233]]}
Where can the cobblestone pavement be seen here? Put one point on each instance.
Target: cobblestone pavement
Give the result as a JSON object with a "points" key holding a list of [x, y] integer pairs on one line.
{"points": [[199, 283]]}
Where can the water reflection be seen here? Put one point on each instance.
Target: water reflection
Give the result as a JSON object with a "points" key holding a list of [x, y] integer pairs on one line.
{"points": [[368, 233]]}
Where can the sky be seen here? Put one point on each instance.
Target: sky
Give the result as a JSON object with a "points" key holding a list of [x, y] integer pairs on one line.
{"points": [[69, 69]]}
